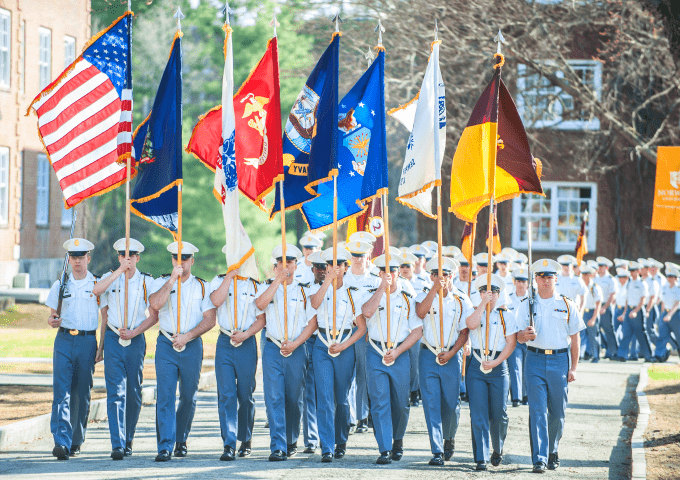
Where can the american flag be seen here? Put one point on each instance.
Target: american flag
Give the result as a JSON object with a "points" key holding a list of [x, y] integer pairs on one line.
{"points": [[85, 116]]}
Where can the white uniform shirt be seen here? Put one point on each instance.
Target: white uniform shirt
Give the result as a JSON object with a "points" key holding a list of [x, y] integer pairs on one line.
{"points": [[455, 308], [303, 273], [419, 282], [570, 286], [653, 288], [362, 282], [593, 295], [79, 308], [501, 326], [607, 284], [138, 296], [555, 320], [515, 301], [621, 294], [636, 290], [670, 295], [463, 286], [246, 288], [661, 280], [401, 304], [509, 280], [299, 312], [195, 301], [347, 308]]}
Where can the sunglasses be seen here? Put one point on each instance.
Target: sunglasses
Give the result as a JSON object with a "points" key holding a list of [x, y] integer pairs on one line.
{"points": [[493, 289], [184, 256]]}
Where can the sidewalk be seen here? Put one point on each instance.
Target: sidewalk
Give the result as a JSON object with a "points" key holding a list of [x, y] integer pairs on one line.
{"points": [[593, 445]]}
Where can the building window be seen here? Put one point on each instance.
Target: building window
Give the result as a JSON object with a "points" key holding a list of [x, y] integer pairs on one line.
{"points": [[42, 208], [543, 105], [66, 216], [69, 50], [22, 60], [4, 185], [5, 47], [556, 218], [45, 60]]}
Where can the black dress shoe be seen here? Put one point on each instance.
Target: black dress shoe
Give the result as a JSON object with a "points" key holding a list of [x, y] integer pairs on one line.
{"points": [[384, 458], [74, 451], [525, 400], [327, 457], [181, 449], [464, 397], [228, 454], [266, 424], [128, 449], [309, 449], [61, 452], [481, 466], [277, 456], [516, 403], [245, 449], [553, 461], [449, 447], [414, 399], [163, 456], [496, 458], [118, 453], [352, 428], [362, 426], [616, 358], [340, 450], [369, 421], [397, 450], [539, 467], [292, 450], [437, 460]]}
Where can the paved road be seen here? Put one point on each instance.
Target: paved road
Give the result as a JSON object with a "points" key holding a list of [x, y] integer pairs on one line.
{"points": [[593, 447]]}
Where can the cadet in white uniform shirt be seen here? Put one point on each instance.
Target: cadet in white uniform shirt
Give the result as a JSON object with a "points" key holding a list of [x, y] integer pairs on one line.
{"points": [[518, 384], [568, 284], [236, 358], [488, 379], [179, 351], [633, 318], [669, 321], [503, 262], [440, 361], [609, 286], [124, 357], [75, 348], [285, 354], [422, 254], [591, 312], [553, 345], [388, 369], [652, 306]]}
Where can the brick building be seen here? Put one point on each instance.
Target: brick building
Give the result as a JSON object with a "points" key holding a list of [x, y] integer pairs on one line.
{"points": [[38, 39]]}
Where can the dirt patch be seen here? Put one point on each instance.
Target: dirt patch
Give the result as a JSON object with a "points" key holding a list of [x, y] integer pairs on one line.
{"points": [[19, 402], [662, 437]]}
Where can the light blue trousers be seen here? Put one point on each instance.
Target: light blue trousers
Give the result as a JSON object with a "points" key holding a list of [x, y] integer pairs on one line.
{"points": [[593, 334], [516, 360], [608, 329], [665, 330], [635, 328], [310, 430]]}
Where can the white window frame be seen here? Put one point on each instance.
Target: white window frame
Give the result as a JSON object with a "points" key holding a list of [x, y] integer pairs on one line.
{"points": [[22, 53], [69, 50], [5, 48], [553, 244], [4, 185], [42, 198], [556, 107], [45, 57]]}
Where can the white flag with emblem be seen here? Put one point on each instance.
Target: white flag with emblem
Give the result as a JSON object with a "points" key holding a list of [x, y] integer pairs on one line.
{"points": [[239, 249], [422, 171]]}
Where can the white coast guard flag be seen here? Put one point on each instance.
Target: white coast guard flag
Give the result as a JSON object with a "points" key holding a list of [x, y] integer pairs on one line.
{"points": [[421, 170], [240, 251]]}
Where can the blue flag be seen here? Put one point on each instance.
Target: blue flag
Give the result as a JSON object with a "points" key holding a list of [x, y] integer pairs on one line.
{"points": [[158, 149], [310, 138], [362, 151]]}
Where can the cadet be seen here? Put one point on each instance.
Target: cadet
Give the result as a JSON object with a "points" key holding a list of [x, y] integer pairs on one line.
{"points": [[304, 275], [75, 348], [488, 380], [609, 287], [179, 351], [502, 269], [334, 354], [440, 362], [416, 284], [359, 277], [124, 358], [670, 318], [556, 321], [518, 384], [236, 358], [388, 370], [464, 271], [634, 315], [420, 253], [285, 355], [568, 284], [591, 313], [652, 307]]}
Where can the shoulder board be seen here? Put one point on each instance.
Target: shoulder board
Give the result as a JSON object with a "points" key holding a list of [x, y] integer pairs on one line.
{"points": [[372, 290], [406, 293], [564, 296], [525, 298], [200, 280], [96, 277], [222, 275], [402, 277], [111, 271], [270, 281], [353, 289], [375, 274], [503, 308], [426, 289], [147, 274], [305, 285], [165, 275]]}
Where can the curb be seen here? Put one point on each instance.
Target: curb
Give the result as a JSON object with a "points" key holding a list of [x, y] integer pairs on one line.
{"points": [[637, 441], [32, 429]]}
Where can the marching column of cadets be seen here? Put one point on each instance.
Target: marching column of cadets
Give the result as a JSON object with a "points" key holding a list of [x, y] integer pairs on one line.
{"points": [[342, 377]]}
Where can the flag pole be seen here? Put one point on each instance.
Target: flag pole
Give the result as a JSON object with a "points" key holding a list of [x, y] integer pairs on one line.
{"points": [[179, 16], [472, 254], [284, 260], [335, 249], [127, 202], [387, 271]]}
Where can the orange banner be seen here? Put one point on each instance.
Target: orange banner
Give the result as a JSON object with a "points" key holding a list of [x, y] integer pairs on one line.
{"points": [[666, 214]]}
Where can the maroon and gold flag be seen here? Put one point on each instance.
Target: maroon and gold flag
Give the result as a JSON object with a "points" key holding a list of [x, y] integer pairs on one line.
{"points": [[466, 241], [493, 158], [496, 245], [582, 243]]}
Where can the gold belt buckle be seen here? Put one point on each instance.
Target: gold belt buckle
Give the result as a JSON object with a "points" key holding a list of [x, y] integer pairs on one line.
{"points": [[74, 332], [548, 352]]}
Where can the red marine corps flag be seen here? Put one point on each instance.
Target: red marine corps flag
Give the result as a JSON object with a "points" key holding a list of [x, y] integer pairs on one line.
{"points": [[257, 111]]}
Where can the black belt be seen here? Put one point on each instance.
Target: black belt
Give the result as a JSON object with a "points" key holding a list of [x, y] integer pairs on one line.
{"points": [[423, 346], [377, 342], [481, 354], [74, 331], [323, 331], [548, 352]]}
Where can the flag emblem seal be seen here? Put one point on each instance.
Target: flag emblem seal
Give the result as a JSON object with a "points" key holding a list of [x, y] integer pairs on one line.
{"points": [[302, 120]]}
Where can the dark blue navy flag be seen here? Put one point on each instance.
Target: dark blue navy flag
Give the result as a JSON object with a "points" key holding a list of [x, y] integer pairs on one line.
{"points": [[362, 152], [158, 149], [310, 138]]}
